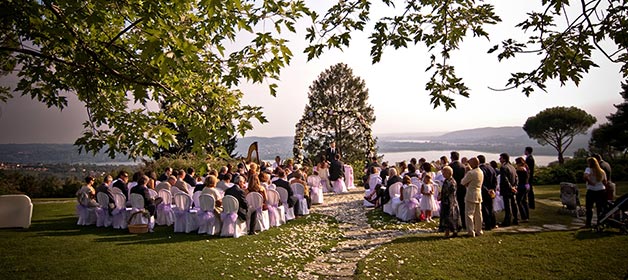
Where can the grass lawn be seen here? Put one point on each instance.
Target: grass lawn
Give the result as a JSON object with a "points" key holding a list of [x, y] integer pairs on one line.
{"points": [[54, 247], [543, 255]]}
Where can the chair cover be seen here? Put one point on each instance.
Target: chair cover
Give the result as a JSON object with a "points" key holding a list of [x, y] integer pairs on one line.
{"points": [[271, 187], [116, 190], [301, 205], [137, 205], [86, 215], [119, 215], [153, 193], [195, 199], [283, 195], [276, 213], [417, 182], [103, 218], [185, 218], [256, 202], [339, 186], [407, 209], [349, 176], [391, 206], [316, 189], [208, 221], [164, 211], [16, 210], [368, 193], [231, 225]]}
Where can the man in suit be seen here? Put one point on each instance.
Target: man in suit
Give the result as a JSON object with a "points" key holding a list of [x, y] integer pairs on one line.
{"points": [[104, 188], [489, 185], [531, 163], [331, 151], [508, 180], [237, 191], [141, 189], [336, 169], [121, 183], [472, 181], [189, 177], [459, 171], [281, 182], [167, 173]]}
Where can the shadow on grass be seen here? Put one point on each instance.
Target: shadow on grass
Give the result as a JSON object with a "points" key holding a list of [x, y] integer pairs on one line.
{"points": [[418, 239]]}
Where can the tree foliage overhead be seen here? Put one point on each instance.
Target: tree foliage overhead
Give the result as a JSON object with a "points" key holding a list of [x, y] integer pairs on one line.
{"points": [[126, 59], [337, 110], [557, 127], [611, 138], [564, 51]]}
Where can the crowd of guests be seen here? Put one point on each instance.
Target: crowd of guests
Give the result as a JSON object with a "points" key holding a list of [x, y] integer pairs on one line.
{"points": [[461, 191]]}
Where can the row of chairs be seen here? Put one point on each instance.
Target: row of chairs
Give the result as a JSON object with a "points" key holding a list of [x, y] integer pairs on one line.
{"points": [[406, 209]]}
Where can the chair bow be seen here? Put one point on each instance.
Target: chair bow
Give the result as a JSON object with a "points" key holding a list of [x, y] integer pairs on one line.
{"points": [[180, 213], [205, 217], [299, 196], [412, 203], [229, 220], [273, 214], [164, 207]]}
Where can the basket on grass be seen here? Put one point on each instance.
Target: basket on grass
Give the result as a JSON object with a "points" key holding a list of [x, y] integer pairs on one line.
{"points": [[138, 228]]}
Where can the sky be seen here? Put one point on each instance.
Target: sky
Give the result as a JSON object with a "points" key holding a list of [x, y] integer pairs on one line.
{"points": [[396, 89]]}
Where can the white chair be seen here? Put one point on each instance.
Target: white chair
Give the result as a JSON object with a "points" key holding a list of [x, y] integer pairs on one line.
{"points": [[185, 217], [153, 193], [276, 212], [174, 190], [407, 209], [103, 218], [231, 225], [119, 215], [195, 199], [339, 186], [16, 210], [207, 221], [164, 211], [138, 213], [255, 202], [301, 205], [86, 215], [394, 191], [283, 195], [316, 189], [271, 187], [417, 182]]}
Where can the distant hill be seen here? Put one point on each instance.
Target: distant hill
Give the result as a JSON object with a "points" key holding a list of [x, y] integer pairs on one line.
{"points": [[488, 139]]}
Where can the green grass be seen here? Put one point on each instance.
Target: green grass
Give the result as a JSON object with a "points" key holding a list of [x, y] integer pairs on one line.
{"points": [[543, 255], [55, 248]]}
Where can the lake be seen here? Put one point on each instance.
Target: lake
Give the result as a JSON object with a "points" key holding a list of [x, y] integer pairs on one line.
{"points": [[541, 160]]}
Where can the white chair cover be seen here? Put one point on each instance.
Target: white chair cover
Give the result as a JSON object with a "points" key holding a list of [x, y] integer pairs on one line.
{"points": [[316, 189], [137, 205], [116, 190], [300, 208], [119, 215], [283, 195], [339, 186], [394, 191], [417, 182], [86, 215], [208, 221], [276, 213], [349, 176], [185, 218], [256, 203], [153, 193], [195, 199], [164, 211], [231, 225], [407, 209], [174, 190], [103, 219], [271, 187], [16, 210]]}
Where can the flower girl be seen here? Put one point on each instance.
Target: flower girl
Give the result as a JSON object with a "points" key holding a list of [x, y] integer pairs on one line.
{"points": [[428, 203]]}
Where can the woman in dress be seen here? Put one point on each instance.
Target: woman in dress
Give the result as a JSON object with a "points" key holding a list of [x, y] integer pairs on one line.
{"points": [[523, 175], [428, 203], [86, 195], [596, 180], [449, 212], [323, 173]]}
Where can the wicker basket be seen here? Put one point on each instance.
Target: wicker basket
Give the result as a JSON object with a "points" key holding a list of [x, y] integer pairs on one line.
{"points": [[137, 228]]}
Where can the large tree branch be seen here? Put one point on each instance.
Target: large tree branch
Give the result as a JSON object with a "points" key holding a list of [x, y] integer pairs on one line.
{"points": [[132, 25], [37, 54]]}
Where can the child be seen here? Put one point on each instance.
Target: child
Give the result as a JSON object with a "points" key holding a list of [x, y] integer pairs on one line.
{"points": [[427, 203]]}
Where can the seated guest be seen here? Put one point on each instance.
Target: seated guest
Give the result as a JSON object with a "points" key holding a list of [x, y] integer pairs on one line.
{"points": [[264, 178], [225, 182], [298, 179], [121, 183], [238, 191], [181, 184], [255, 186], [166, 185], [393, 177], [198, 183], [189, 177], [104, 188], [141, 189], [374, 180], [86, 194], [281, 182], [210, 188], [167, 173]]}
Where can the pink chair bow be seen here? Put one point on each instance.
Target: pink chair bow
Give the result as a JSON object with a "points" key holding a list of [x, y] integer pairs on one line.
{"points": [[273, 214], [229, 220], [206, 217]]}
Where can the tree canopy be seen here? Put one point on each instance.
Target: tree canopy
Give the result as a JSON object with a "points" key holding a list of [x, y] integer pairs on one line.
{"points": [[337, 110], [611, 138], [557, 127]]}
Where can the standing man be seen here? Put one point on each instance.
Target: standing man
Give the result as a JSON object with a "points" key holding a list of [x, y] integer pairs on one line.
{"points": [[459, 171], [530, 162], [610, 188], [507, 188], [489, 185], [331, 151], [336, 169], [473, 198]]}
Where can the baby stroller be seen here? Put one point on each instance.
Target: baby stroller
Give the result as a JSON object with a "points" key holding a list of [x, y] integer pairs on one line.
{"points": [[615, 215], [570, 197]]}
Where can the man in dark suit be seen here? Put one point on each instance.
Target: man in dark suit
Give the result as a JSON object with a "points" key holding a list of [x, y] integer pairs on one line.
{"points": [[189, 177], [281, 182], [531, 163], [104, 188], [141, 189], [459, 171], [331, 151], [508, 180], [121, 182], [489, 184], [336, 169], [237, 191], [164, 177]]}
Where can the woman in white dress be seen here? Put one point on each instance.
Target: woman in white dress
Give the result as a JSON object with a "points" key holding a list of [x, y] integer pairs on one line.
{"points": [[323, 173]]}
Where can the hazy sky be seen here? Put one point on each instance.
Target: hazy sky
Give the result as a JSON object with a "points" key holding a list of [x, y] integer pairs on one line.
{"points": [[396, 90]]}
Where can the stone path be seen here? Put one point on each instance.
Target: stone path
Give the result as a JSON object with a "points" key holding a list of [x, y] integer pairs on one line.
{"points": [[341, 262]]}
